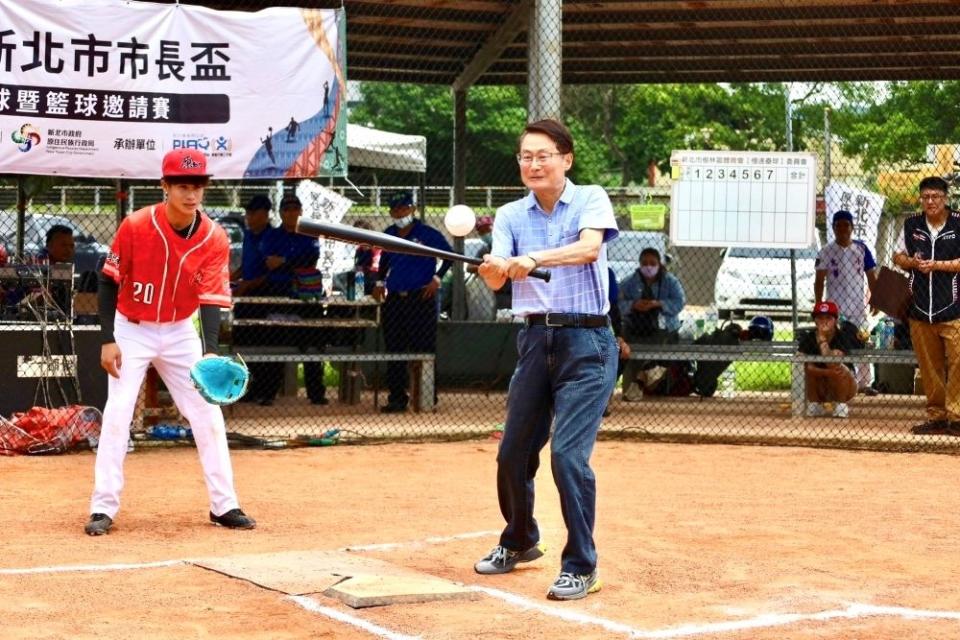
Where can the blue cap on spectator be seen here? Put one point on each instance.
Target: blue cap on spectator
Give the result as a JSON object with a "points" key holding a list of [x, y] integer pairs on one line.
{"points": [[402, 199], [843, 214]]}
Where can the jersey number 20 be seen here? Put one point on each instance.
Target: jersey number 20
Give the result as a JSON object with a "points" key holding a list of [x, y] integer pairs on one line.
{"points": [[144, 290]]}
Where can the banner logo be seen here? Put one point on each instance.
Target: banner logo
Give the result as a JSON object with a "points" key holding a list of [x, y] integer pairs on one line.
{"points": [[200, 143], [26, 138]]}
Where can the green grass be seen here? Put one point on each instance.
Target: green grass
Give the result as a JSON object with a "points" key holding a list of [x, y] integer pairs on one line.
{"points": [[331, 376], [765, 376], [762, 376]]}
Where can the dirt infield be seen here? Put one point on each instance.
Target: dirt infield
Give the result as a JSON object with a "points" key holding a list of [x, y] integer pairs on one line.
{"points": [[695, 542]]}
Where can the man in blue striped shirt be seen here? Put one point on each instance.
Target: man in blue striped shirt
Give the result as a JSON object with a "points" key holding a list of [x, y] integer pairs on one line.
{"points": [[568, 354]]}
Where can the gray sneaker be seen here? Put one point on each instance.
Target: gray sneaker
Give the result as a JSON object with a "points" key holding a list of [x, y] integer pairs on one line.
{"points": [[572, 586], [98, 524], [503, 560]]}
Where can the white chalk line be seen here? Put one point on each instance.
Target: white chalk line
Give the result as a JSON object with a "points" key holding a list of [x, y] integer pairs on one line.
{"points": [[563, 613], [67, 568], [386, 546], [315, 607], [853, 610], [169, 563]]}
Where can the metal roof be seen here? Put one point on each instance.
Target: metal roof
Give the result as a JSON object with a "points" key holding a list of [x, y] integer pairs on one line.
{"points": [[658, 41]]}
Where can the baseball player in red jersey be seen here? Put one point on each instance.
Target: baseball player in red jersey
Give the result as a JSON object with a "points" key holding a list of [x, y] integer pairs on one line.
{"points": [[166, 261]]}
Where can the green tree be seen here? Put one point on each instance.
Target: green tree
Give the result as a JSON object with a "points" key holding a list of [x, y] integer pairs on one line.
{"points": [[643, 124], [892, 123], [619, 129], [494, 117]]}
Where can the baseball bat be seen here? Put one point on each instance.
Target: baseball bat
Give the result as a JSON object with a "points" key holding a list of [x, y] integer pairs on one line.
{"points": [[353, 235]]}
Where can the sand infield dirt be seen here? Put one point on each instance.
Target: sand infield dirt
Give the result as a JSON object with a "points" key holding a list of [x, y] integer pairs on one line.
{"points": [[712, 541]]}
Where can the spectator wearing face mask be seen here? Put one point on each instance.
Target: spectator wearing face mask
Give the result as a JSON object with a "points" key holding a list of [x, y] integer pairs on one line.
{"points": [[408, 288], [650, 302]]}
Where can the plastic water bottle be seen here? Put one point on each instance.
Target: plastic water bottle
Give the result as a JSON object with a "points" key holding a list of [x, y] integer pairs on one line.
{"points": [[710, 319], [167, 432], [888, 333], [327, 284], [358, 284], [728, 382]]}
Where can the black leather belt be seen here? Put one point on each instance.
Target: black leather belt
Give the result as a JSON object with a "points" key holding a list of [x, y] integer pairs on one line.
{"points": [[567, 320]]}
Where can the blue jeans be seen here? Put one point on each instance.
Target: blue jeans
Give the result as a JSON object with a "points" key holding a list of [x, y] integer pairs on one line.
{"points": [[564, 376]]}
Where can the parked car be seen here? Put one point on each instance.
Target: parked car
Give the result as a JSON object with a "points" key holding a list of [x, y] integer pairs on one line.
{"points": [[756, 280], [90, 254], [232, 223], [623, 254]]}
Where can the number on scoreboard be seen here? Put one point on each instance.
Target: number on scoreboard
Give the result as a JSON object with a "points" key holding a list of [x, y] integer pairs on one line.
{"points": [[743, 198]]}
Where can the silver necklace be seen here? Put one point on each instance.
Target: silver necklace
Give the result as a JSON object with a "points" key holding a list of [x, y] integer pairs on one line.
{"points": [[193, 226]]}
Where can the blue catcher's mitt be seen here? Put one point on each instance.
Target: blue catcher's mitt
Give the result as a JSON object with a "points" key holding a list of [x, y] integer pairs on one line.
{"points": [[220, 380]]}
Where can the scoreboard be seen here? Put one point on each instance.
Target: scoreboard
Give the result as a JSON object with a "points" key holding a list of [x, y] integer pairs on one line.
{"points": [[743, 198]]}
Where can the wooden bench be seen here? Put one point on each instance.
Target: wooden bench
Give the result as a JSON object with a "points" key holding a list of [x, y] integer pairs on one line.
{"points": [[423, 365], [756, 351]]}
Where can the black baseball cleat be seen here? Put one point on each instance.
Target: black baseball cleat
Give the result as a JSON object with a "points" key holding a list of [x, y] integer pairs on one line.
{"points": [[234, 519], [98, 524], [931, 428]]}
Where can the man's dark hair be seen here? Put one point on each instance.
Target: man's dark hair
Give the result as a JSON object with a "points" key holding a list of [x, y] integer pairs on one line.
{"points": [[934, 182], [200, 181], [553, 129], [650, 251], [259, 202], [56, 230]]}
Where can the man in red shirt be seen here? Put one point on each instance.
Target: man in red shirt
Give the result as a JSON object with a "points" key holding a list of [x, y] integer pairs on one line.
{"points": [[166, 261]]}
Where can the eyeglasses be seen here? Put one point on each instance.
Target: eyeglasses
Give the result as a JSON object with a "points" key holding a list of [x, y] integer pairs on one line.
{"points": [[526, 159], [932, 197]]}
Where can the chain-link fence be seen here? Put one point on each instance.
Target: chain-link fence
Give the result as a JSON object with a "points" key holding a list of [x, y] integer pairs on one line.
{"points": [[719, 341]]}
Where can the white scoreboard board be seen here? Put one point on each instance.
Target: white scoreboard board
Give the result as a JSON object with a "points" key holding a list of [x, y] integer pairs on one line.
{"points": [[743, 198]]}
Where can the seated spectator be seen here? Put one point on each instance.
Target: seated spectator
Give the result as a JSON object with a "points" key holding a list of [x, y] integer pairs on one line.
{"points": [[250, 279], [829, 382], [60, 247], [650, 302]]}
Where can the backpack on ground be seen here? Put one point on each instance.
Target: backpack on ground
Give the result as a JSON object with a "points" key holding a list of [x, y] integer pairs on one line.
{"points": [[707, 373]]}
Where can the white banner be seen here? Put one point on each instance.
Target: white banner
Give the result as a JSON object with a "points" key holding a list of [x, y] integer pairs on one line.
{"points": [[103, 88], [866, 207], [325, 205]]}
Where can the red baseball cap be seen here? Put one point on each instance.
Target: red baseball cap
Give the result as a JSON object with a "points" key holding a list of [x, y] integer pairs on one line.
{"points": [[185, 162], [828, 307]]}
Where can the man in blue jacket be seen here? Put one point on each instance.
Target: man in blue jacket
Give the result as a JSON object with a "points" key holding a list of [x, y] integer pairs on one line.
{"points": [[408, 287]]}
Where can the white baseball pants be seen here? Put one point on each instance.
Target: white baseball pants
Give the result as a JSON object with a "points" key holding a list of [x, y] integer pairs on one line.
{"points": [[172, 348]]}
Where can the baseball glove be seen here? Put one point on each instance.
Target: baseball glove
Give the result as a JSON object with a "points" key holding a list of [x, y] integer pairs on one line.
{"points": [[220, 380]]}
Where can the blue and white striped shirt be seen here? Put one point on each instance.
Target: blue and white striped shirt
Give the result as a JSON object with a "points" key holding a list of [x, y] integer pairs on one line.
{"points": [[522, 226]]}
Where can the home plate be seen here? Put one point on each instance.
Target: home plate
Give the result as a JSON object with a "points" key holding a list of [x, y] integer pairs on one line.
{"points": [[376, 590], [355, 580]]}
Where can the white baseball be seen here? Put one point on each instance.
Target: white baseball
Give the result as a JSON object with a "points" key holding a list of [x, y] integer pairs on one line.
{"points": [[460, 220]]}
